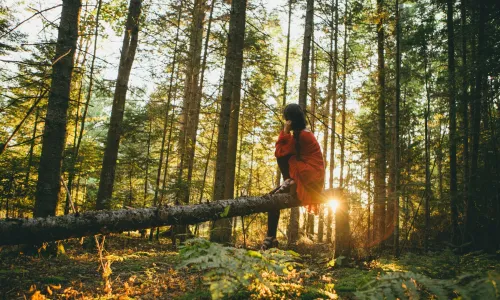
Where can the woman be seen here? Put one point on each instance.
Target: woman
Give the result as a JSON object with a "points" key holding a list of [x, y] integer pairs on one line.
{"points": [[300, 161]]}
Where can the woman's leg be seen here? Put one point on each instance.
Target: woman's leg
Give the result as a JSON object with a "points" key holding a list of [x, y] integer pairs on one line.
{"points": [[284, 166], [273, 216]]}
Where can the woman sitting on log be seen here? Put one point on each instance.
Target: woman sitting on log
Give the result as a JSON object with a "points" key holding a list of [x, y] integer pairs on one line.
{"points": [[301, 163]]}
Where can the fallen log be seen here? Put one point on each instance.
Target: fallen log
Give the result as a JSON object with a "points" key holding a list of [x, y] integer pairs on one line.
{"points": [[37, 230]]}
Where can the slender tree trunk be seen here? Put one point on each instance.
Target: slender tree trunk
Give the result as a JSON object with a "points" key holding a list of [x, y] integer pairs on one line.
{"points": [[465, 125], [232, 84], [285, 83], [344, 98], [54, 135], [306, 52], [209, 155], [32, 148], [87, 100], [187, 132], [380, 160], [146, 177], [232, 143], [129, 48], [427, 153], [335, 21], [369, 181], [453, 122], [199, 93], [167, 109], [395, 137], [287, 58], [313, 86], [293, 226]]}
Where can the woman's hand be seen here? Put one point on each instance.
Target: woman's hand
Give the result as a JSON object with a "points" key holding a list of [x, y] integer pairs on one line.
{"points": [[288, 126]]}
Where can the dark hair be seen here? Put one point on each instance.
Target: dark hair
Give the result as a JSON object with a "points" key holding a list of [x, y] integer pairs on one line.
{"points": [[294, 113]]}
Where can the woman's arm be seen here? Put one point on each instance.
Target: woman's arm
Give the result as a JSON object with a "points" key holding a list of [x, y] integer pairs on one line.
{"points": [[285, 145]]}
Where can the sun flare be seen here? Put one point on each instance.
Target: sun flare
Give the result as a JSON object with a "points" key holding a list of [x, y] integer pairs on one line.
{"points": [[333, 203]]}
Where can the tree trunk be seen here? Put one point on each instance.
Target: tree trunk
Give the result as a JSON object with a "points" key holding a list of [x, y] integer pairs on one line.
{"points": [[199, 93], [146, 177], [306, 52], [313, 86], [287, 58], [342, 230], [472, 211], [233, 143], [285, 83], [19, 231], [86, 106], [344, 79], [232, 84], [129, 48], [32, 148], [54, 135], [335, 23], [190, 114], [395, 136], [167, 110], [380, 158], [293, 226], [465, 127], [427, 152], [453, 122]]}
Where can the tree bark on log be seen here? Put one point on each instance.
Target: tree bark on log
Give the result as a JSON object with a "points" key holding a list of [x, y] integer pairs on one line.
{"points": [[21, 231]]}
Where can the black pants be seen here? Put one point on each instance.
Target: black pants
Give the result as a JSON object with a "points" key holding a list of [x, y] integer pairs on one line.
{"points": [[273, 216]]}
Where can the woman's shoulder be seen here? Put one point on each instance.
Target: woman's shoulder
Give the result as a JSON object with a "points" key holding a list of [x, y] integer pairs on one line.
{"points": [[307, 134]]}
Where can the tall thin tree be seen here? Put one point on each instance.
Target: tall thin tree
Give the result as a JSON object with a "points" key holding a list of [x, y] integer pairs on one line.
{"points": [[380, 154], [129, 47]]}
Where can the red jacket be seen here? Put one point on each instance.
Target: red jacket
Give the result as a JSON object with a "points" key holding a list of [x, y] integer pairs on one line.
{"points": [[309, 172]]}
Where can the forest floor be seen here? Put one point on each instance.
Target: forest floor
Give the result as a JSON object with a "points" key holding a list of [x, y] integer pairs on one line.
{"points": [[149, 270]]}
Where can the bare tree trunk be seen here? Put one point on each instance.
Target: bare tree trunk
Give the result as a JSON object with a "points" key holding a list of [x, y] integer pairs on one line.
{"points": [[209, 155], [232, 84], [187, 132], [146, 177], [369, 181], [293, 226], [344, 75], [342, 228], [54, 135], [453, 122], [427, 153], [167, 109], [32, 148], [472, 212], [199, 93], [306, 52], [87, 102], [313, 86], [129, 48], [335, 21], [380, 158], [287, 58], [465, 125], [395, 138]]}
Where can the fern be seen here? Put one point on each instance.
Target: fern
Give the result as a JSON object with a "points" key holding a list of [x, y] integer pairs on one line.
{"points": [[228, 270], [409, 285]]}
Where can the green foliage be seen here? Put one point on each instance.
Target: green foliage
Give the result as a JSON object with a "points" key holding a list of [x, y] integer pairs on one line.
{"points": [[230, 271], [410, 285]]}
